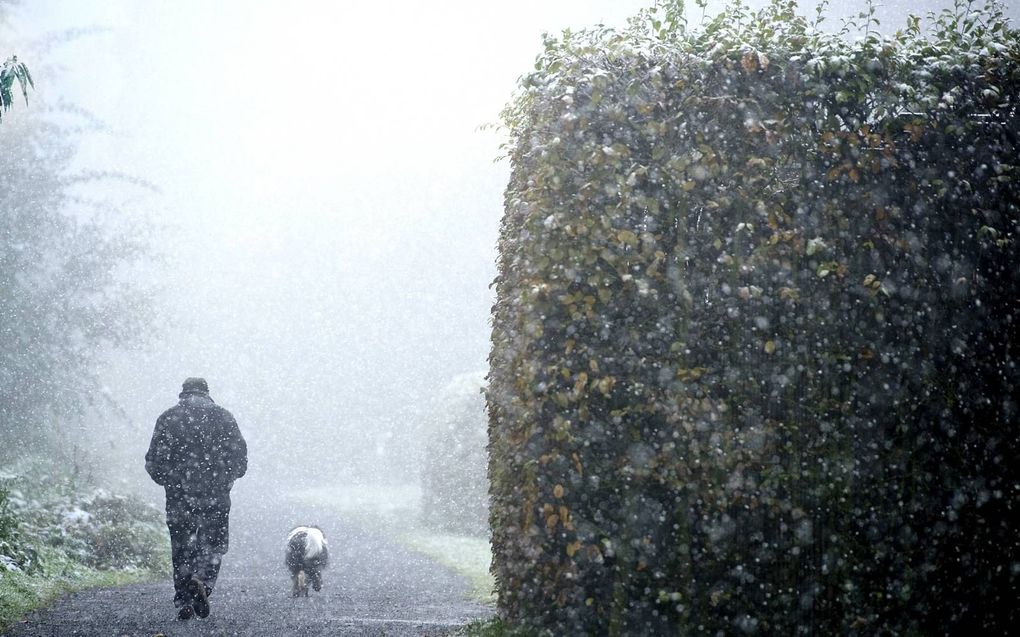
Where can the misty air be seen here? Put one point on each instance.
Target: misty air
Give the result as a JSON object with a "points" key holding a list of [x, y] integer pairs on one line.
{"points": [[577, 317]]}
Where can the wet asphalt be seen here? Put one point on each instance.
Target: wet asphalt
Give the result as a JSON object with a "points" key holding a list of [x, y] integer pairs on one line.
{"points": [[373, 587]]}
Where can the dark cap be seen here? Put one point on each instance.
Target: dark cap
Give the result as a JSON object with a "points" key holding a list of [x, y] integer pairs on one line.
{"points": [[193, 385]]}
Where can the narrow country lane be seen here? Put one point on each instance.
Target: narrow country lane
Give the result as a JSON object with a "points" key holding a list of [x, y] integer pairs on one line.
{"points": [[373, 587]]}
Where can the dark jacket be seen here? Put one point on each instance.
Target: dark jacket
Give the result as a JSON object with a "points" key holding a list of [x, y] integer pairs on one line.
{"points": [[197, 448]]}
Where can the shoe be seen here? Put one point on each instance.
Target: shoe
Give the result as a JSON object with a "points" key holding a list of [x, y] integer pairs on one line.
{"points": [[199, 597], [185, 613]]}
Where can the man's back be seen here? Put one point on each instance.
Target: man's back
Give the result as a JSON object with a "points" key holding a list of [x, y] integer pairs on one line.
{"points": [[196, 447]]}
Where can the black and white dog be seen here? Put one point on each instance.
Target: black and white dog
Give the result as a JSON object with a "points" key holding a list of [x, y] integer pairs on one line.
{"points": [[307, 556]]}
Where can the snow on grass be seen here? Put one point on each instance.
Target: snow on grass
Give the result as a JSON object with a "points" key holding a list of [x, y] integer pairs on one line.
{"points": [[467, 555], [22, 592]]}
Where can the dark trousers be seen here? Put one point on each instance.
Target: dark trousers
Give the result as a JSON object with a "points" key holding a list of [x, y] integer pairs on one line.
{"points": [[199, 536]]}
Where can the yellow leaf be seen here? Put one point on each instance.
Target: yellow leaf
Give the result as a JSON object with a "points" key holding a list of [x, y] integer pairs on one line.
{"points": [[749, 62], [627, 237], [770, 347], [577, 463], [605, 385], [558, 491], [582, 380]]}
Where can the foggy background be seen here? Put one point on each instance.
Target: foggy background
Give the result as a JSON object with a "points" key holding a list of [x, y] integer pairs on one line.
{"points": [[324, 229]]}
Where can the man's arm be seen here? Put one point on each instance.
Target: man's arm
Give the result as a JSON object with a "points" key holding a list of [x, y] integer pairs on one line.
{"points": [[237, 450], [157, 458]]}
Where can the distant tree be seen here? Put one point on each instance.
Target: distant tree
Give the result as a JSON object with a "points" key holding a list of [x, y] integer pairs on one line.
{"points": [[13, 70], [63, 301], [65, 248]]}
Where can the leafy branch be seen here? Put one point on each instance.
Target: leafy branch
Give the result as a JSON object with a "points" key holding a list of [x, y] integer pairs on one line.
{"points": [[13, 70]]}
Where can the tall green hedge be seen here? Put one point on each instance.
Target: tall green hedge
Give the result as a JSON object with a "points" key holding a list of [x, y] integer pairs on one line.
{"points": [[754, 364]]}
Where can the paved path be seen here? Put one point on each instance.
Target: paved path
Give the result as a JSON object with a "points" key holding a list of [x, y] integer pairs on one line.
{"points": [[373, 587]]}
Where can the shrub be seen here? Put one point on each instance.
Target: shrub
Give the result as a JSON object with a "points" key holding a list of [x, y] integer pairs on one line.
{"points": [[454, 485], [15, 554], [751, 366], [108, 531], [85, 524]]}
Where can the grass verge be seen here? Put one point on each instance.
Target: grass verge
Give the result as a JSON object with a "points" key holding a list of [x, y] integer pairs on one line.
{"points": [[21, 593], [466, 555], [488, 628]]}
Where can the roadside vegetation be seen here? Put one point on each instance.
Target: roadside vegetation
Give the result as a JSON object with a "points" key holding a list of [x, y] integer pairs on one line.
{"points": [[488, 628], [468, 555], [59, 534]]}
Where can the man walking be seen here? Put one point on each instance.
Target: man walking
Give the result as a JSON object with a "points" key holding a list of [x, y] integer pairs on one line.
{"points": [[196, 453]]}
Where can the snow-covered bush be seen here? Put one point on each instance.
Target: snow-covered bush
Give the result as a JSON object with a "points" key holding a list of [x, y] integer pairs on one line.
{"points": [[15, 554], [752, 366], [87, 524], [455, 490], [107, 531]]}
